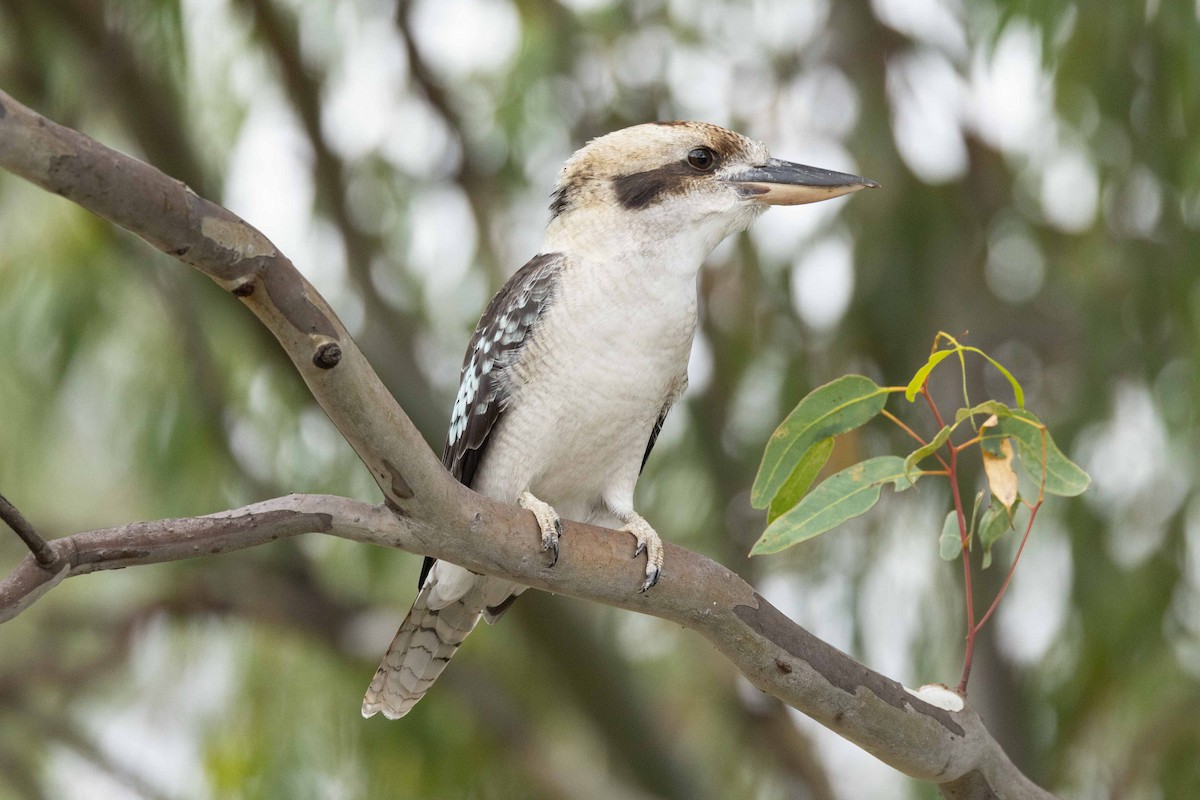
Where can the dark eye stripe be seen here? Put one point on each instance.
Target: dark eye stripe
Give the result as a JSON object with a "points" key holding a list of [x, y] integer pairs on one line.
{"points": [[645, 188]]}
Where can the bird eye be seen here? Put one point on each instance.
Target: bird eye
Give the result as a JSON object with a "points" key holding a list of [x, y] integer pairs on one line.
{"points": [[702, 159]]}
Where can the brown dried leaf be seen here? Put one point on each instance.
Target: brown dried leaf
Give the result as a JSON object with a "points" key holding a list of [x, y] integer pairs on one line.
{"points": [[1002, 478]]}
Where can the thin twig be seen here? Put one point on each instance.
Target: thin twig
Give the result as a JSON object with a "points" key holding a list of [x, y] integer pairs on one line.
{"points": [[1011, 569], [42, 552], [427, 511], [952, 469], [916, 436], [904, 427]]}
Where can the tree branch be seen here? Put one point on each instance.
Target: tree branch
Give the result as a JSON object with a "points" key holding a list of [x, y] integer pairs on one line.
{"points": [[29, 535], [391, 332], [426, 511]]}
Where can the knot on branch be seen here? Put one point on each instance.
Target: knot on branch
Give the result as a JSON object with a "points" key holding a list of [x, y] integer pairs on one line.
{"points": [[328, 355]]}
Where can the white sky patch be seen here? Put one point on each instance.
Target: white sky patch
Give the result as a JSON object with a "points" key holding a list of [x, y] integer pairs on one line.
{"points": [[184, 681], [542, 158], [756, 95], [642, 637], [1134, 209], [755, 410], [269, 178], [938, 23], [465, 37], [443, 238], [584, 6], [1123, 454], [701, 80], [641, 57], [825, 98], [521, 225], [853, 772], [206, 27], [821, 603], [421, 146], [926, 95], [778, 235], [787, 26], [1035, 607], [358, 112], [1185, 605], [752, 29], [901, 574], [823, 282], [700, 365], [322, 444], [1015, 268], [1011, 99], [1070, 191], [593, 80], [214, 38], [1140, 476]]}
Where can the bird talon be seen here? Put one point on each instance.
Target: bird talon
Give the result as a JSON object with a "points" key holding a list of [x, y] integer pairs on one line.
{"points": [[651, 580], [648, 543], [548, 522]]}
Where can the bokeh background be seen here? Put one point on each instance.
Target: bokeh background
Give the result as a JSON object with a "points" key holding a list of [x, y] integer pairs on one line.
{"points": [[1040, 164]]}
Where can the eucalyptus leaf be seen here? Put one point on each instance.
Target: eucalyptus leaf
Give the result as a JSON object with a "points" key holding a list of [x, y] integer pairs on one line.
{"points": [[989, 407], [950, 542], [840, 497], [922, 375], [996, 521], [1063, 477], [1018, 392], [926, 450], [838, 406], [801, 479]]}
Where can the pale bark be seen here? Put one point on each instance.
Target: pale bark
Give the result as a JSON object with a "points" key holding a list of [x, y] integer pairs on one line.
{"points": [[426, 511]]}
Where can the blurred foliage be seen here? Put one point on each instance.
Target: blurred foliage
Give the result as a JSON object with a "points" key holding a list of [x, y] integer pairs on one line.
{"points": [[1041, 201]]}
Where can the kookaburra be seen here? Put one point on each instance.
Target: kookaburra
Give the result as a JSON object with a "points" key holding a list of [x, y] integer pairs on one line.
{"points": [[577, 360]]}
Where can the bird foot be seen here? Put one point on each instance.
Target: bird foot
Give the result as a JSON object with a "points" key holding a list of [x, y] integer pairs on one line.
{"points": [[648, 542], [548, 521]]}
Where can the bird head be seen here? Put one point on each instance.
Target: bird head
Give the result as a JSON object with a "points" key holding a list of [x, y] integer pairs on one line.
{"points": [[693, 180]]}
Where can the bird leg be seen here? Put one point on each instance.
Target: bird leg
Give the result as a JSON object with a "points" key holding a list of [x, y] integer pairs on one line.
{"points": [[647, 542], [547, 520]]}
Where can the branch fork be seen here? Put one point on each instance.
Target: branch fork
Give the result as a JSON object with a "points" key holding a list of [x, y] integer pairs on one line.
{"points": [[426, 511]]}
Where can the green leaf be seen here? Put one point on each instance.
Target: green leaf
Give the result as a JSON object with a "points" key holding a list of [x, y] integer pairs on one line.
{"points": [[801, 479], [1063, 477], [988, 407], [838, 406], [950, 542], [975, 514], [996, 522], [1018, 392], [925, 451], [840, 497], [918, 380]]}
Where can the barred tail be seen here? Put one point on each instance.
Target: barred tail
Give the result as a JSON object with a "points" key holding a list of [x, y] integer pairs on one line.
{"points": [[423, 646], [449, 606]]}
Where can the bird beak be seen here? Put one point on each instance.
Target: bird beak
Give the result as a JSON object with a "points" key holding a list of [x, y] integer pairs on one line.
{"points": [[782, 183]]}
